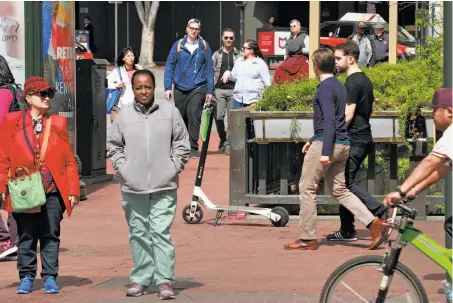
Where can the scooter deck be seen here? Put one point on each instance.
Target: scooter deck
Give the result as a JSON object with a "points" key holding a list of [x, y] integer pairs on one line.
{"points": [[237, 208]]}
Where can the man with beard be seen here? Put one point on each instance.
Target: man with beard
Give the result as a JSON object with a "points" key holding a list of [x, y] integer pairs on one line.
{"points": [[359, 106]]}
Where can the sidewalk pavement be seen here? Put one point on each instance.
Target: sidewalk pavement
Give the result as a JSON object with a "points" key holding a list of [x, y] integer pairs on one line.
{"points": [[237, 261]]}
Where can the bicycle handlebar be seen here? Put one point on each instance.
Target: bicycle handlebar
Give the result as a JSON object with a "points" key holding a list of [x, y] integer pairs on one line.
{"points": [[410, 211]]}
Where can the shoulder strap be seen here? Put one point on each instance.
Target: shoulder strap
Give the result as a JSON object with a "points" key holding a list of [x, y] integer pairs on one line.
{"points": [[24, 127], [45, 141], [119, 73], [178, 48]]}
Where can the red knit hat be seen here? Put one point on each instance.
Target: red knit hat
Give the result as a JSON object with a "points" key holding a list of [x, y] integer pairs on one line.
{"points": [[36, 84]]}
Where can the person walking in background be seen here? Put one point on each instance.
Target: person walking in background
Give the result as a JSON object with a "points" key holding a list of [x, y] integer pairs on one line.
{"points": [[223, 60], [189, 67], [35, 141], [250, 74], [89, 27], [380, 42], [120, 77], [8, 96], [158, 147], [298, 42], [359, 107], [326, 155], [364, 43]]}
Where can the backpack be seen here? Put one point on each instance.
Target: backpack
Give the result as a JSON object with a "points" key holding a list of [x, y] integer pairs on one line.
{"points": [[178, 48], [18, 97]]}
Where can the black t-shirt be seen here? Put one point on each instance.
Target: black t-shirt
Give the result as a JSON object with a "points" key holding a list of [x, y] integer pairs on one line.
{"points": [[227, 64], [360, 92]]}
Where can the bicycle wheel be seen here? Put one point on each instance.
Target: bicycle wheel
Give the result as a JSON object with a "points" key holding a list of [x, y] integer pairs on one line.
{"points": [[340, 287]]}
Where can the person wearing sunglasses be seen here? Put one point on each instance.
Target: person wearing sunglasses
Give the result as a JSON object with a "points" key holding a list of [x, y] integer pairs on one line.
{"points": [[223, 59], [251, 76], [189, 68], [35, 143]]}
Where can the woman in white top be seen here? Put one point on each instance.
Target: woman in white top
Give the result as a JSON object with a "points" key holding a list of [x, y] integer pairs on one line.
{"points": [[251, 74], [120, 77]]}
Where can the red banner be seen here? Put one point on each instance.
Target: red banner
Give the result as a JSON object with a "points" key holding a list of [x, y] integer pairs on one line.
{"points": [[266, 43]]}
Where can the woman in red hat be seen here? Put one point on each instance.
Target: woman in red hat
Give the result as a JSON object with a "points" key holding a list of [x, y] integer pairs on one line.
{"points": [[32, 141]]}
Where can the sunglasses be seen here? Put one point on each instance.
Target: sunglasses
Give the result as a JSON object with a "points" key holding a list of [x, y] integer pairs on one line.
{"points": [[228, 38], [46, 93]]}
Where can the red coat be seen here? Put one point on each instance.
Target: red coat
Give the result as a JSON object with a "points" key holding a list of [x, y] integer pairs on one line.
{"points": [[15, 152]]}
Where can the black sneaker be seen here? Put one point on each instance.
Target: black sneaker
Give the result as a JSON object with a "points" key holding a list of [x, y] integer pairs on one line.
{"points": [[342, 236], [194, 154]]}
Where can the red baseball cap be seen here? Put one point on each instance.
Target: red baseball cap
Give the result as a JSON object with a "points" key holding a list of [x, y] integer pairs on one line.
{"points": [[442, 98], [36, 84]]}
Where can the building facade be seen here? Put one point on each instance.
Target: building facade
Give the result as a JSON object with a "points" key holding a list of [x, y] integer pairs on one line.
{"points": [[172, 18]]}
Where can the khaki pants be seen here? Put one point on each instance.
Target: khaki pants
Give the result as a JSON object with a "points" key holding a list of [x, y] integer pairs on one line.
{"points": [[312, 173]]}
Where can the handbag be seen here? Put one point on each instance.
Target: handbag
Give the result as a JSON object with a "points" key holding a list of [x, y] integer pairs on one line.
{"points": [[113, 95], [27, 192]]}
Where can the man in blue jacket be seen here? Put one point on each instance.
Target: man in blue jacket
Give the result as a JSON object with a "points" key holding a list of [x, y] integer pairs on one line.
{"points": [[189, 67]]}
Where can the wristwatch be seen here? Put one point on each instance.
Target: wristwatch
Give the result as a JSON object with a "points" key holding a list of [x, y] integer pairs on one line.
{"points": [[398, 189]]}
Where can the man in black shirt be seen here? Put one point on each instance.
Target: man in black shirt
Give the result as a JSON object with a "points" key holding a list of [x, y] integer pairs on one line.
{"points": [[359, 107], [223, 60]]}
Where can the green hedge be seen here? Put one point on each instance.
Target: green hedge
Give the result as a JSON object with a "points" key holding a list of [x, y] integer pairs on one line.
{"points": [[400, 87]]}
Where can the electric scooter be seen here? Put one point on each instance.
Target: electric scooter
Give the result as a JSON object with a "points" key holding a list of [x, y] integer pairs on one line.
{"points": [[193, 214]]}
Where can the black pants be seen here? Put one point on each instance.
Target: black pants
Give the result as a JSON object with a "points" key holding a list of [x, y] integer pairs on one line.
{"points": [[357, 155], [10, 233], [45, 227], [190, 105]]}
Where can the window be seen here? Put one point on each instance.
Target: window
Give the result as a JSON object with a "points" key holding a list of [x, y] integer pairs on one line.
{"points": [[345, 31], [327, 29]]}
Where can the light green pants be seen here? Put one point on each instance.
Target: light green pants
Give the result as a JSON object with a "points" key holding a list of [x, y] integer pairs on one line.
{"points": [[150, 217]]}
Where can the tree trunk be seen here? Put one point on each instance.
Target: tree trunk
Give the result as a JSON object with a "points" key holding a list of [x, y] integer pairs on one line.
{"points": [[147, 12], [147, 48]]}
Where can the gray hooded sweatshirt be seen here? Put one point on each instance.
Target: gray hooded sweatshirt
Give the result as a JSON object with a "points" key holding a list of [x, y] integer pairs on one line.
{"points": [[148, 148]]}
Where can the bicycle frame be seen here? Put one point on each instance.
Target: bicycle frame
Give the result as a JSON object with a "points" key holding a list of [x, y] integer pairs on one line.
{"points": [[430, 248]]}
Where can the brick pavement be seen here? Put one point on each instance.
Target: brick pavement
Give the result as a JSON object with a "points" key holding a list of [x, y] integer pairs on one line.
{"points": [[239, 261]]}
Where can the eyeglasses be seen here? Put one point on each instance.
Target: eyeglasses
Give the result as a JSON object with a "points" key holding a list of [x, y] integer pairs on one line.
{"points": [[243, 48], [228, 38], [46, 93], [194, 29]]}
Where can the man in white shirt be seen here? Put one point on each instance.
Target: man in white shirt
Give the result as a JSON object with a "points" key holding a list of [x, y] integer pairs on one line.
{"points": [[439, 162]]}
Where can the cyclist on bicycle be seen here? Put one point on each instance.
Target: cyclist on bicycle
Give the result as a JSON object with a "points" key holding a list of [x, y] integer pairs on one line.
{"points": [[439, 162]]}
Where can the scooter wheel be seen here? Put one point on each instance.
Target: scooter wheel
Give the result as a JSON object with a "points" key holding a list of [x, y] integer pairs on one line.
{"points": [[186, 215], [284, 216]]}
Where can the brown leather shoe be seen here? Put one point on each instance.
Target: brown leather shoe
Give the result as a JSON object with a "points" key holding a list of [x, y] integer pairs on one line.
{"points": [[299, 244], [377, 236]]}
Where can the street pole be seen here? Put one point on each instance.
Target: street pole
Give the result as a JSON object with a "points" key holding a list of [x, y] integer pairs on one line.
{"points": [[241, 18], [448, 81], [116, 28]]}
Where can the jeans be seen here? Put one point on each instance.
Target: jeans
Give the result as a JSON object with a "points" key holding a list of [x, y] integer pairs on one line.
{"points": [[236, 104], [357, 155], [45, 228], [190, 106], [149, 218]]}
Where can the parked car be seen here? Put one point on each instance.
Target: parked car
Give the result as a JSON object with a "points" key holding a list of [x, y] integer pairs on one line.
{"points": [[336, 32]]}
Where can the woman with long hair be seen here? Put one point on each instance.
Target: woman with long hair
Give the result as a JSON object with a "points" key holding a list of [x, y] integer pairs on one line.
{"points": [[251, 75], [8, 235], [120, 77], [35, 144]]}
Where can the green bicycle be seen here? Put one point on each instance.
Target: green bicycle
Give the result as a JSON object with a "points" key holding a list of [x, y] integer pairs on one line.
{"points": [[340, 287]]}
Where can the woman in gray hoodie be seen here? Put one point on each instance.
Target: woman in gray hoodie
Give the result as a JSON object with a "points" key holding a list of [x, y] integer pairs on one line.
{"points": [[149, 146]]}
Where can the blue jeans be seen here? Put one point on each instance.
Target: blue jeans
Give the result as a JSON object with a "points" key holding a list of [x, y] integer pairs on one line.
{"points": [[236, 104]]}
